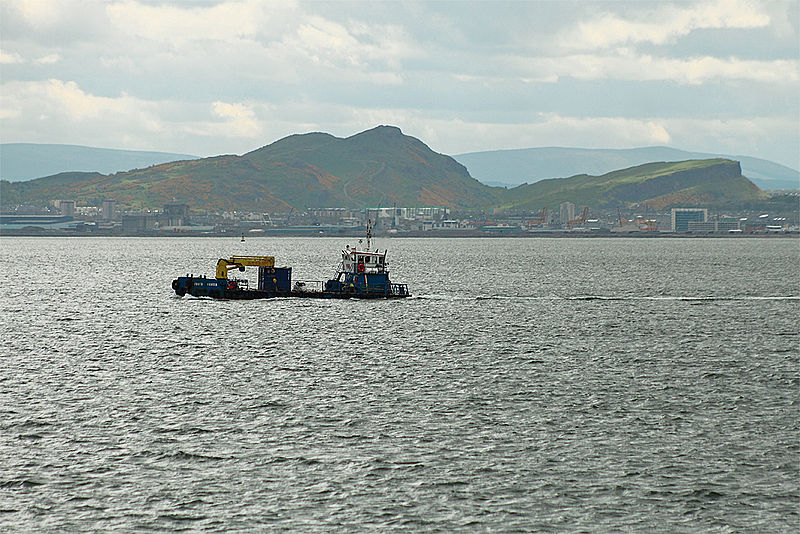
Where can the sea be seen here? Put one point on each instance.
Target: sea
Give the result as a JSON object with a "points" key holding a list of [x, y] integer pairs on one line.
{"points": [[529, 385]]}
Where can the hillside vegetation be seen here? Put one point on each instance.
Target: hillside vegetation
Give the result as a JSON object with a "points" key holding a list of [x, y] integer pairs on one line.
{"points": [[660, 185], [529, 165], [378, 167]]}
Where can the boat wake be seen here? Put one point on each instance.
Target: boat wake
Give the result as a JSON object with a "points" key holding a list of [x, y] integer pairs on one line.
{"points": [[608, 298]]}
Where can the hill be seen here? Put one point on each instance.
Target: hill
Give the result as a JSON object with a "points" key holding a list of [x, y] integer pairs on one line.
{"points": [[378, 167], [26, 161], [514, 167], [712, 182]]}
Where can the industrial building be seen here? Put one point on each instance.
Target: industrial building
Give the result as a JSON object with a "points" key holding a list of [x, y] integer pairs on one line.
{"points": [[108, 210], [681, 217], [566, 212]]}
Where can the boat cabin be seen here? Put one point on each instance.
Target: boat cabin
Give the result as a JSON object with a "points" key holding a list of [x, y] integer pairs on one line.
{"points": [[356, 261], [361, 271]]}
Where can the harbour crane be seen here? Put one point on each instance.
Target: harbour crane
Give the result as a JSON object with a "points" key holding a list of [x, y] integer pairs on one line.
{"points": [[580, 221], [645, 224], [540, 220], [622, 222]]}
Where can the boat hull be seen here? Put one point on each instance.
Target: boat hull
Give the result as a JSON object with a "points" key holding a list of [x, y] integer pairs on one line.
{"points": [[210, 287]]}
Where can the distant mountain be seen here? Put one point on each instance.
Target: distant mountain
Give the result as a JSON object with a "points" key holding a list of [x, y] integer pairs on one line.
{"points": [[711, 182], [378, 167], [529, 165], [25, 161]]}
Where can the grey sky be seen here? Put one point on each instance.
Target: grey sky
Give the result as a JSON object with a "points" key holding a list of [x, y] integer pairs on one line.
{"points": [[227, 77]]}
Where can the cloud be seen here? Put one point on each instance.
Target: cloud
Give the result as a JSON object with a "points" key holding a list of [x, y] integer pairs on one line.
{"points": [[214, 76], [272, 42], [180, 24], [551, 129], [664, 23], [43, 14], [53, 23], [48, 59], [241, 120], [78, 105], [62, 110], [624, 64], [10, 58], [746, 135], [59, 111]]}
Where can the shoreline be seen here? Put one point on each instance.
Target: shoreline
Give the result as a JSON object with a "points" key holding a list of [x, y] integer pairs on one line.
{"points": [[401, 235]]}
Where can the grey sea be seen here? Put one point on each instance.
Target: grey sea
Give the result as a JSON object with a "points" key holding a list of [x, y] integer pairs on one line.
{"points": [[529, 385]]}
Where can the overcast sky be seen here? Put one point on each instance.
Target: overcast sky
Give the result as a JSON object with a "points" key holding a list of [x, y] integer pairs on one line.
{"points": [[210, 78]]}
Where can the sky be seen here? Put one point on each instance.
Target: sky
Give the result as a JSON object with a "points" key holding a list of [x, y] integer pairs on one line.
{"points": [[227, 77]]}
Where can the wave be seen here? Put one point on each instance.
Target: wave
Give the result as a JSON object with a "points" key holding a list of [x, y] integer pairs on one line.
{"points": [[608, 297]]}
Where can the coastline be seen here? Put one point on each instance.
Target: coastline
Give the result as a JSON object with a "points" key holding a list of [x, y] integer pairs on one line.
{"points": [[400, 235]]}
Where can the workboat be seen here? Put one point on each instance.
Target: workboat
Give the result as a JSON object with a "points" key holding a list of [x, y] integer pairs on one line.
{"points": [[362, 273]]}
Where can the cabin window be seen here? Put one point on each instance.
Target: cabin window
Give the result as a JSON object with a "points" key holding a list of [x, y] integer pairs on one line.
{"points": [[361, 259], [369, 259], [380, 260]]}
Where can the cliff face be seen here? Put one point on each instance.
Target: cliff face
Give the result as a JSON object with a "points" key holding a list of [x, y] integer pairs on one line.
{"points": [[715, 184], [660, 185]]}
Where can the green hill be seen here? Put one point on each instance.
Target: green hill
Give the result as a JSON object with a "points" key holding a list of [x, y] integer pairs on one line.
{"points": [[378, 167], [529, 165], [660, 185]]}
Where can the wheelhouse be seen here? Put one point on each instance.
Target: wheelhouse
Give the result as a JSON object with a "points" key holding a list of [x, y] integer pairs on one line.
{"points": [[358, 261]]}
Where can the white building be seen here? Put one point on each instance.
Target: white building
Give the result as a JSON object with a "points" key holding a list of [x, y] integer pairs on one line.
{"points": [[566, 212]]}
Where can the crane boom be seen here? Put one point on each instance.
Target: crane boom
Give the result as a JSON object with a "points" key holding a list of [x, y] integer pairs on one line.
{"points": [[541, 219], [580, 221], [240, 262]]}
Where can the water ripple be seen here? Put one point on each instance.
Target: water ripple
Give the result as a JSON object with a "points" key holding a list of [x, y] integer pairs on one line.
{"points": [[597, 385]]}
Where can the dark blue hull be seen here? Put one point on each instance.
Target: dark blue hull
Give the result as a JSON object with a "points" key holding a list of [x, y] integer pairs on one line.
{"points": [[223, 289]]}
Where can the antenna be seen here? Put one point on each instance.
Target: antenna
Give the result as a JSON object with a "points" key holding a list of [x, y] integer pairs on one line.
{"points": [[369, 233]]}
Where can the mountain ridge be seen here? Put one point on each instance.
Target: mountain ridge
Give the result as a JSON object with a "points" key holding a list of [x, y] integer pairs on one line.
{"points": [[380, 167], [512, 167], [377, 167], [657, 184], [27, 161]]}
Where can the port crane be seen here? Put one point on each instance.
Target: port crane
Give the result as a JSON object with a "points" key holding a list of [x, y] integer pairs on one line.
{"points": [[580, 221], [622, 222], [645, 224], [540, 220]]}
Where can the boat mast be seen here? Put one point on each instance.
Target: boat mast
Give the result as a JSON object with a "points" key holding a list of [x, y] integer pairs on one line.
{"points": [[369, 231]]}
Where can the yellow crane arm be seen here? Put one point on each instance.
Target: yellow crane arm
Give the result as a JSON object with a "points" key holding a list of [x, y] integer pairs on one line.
{"points": [[239, 262]]}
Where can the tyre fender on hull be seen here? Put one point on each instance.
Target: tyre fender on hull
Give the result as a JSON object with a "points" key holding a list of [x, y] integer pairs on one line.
{"points": [[179, 290]]}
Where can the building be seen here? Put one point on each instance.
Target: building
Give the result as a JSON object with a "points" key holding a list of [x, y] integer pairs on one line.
{"points": [[176, 214], [38, 222], [682, 216], [138, 222], [702, 227], [566, 212], [108, 210], [727, 226], [67, 208]]}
